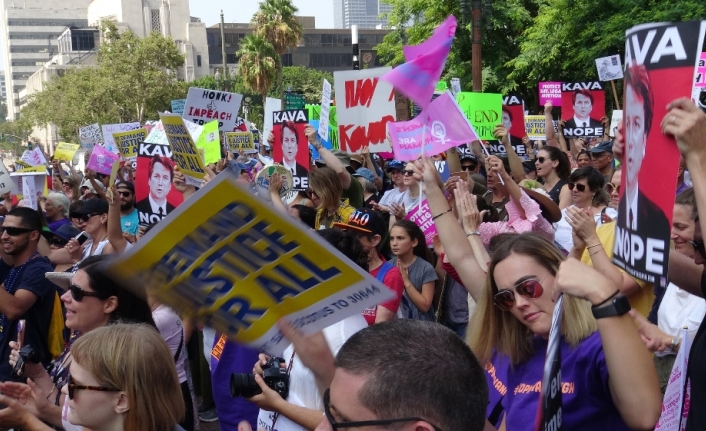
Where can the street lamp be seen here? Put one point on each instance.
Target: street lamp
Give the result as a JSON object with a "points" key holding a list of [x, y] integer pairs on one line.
{"points": [[246, 107], [479, 9]]}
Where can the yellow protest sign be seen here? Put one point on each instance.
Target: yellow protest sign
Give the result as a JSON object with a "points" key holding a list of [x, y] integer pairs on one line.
{"points": [[114, 172], [240, 141], [535, 127], [65, 151], [238, 265], [127, 142], [40, 169], [184, 151]]}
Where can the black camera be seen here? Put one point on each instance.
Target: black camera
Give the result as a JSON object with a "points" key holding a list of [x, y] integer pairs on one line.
{"points": [[244, 384], [26, 354]]}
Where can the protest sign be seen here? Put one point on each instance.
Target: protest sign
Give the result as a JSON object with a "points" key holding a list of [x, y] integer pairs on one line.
{"points": [[102, 160], [19, 164], [184, 151], [240, 141], [513, 118], [154, 195], [262, 181], [673, 402], [39, 181], [325, 108], [550, 92], [484, 110], [365, 104], [700, 79], [127, 142], [90, 135], [550, 398], [440, 126], [178, 106], [535, 126], [157, 135], [655, 75], [609, 68], [443, 168], [65, 151], [203, 106], [29, 192], [583, 107], [237, 265], [209, 141], [35, 157], [271, 106], [291, 147], [616, 118], [114, 171], [25, 168], [109, 129], [421, 216], [5, 179]]}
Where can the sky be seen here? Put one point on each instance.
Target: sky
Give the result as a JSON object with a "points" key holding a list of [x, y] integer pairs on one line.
{"points": [[242, 11]]}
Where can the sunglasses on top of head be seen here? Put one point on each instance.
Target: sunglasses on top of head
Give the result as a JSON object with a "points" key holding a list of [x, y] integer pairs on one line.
{"points": [[530, 289]]}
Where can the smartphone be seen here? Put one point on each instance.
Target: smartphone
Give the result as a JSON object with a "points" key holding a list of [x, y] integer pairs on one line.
{"points": [[82, 237], [463, 175]]}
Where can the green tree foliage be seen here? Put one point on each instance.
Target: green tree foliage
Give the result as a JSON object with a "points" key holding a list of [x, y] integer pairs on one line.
{"points": [[308, 81], [258, 64]]}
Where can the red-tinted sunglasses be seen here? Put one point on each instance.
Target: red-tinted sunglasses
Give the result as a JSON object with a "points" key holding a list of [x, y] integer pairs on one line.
{"points": [[531, 289]]}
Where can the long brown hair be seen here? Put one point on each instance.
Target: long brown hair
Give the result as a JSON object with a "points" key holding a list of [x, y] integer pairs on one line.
{"points": [[326, 184]]}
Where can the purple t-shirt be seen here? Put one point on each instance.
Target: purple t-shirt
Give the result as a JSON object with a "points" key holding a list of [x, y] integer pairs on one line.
{"points": [[586, 400], [496, 375]]}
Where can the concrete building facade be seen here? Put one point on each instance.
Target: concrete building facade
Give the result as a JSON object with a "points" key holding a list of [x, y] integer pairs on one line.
{"points": [[363, 13]]}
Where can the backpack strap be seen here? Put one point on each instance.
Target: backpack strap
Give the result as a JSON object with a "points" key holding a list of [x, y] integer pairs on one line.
{"points": [[384, 269], [181, 345]]}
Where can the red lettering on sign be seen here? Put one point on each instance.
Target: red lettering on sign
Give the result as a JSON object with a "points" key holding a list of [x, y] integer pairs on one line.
{"points": [[360, 92], [352, 140]]}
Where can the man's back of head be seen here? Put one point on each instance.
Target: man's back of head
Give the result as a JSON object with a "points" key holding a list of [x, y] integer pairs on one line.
{"points": [[415, 369]]}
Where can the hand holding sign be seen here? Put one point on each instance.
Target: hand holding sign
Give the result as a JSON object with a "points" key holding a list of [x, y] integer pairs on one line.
{"points": [[687, 124]]}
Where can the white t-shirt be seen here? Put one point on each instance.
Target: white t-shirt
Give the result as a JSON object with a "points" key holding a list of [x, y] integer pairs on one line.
{"points": [[562, 228], [410, 202], [303, 390], [171, 329], [678, 309], [392, 196]]}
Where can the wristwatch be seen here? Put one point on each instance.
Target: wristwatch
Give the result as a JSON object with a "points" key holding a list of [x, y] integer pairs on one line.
{"points": [[317, 144], [617, 307]]}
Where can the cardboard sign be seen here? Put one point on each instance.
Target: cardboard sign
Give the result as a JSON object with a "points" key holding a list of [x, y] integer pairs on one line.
{"points": [[421, 216], [90, 136], [272, 105], [39, 182], [203, 106], [154, 195], [127, 142], [325, 108], [178, 106], [238, 265], [157, 135], [583, 107], [34, 157], [550, 92], [484, 110], [642, 232], [114, 171], [184, 151], [240, 141], [262, 181], [102, 160], [5, 179], [109, 129], [609, 68], [365, 104], [29, 192], [65, 151], [535, 127], [550, 398], [616, 118], [209, 141], [674, 401], [291, 147]]}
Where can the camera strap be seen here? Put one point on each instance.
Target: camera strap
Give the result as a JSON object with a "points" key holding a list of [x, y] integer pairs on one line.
{"points": [[289, 370]]}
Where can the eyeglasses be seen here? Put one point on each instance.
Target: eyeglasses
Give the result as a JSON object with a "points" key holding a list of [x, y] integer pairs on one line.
{"points": [[73, 387], [577, 186], [311, 193], [58, 242], [77, 293], [469, 167], [610, 188], [699, 246], [336, 425], [125, 194], [531, 289], [84, 217], [541, 159], [14, 231], [408, 173]]}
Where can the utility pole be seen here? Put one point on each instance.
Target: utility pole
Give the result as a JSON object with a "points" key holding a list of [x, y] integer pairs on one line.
{"points": [[476, 45], [223, 53], [354, 42]]}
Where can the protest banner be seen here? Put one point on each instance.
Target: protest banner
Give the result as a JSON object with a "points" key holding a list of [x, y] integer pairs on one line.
{"points": [[65, 151], [178, 106], [655, 75], [35, 157], [484, 110], [114, 171], [325, 109], [29, 192], [262, 181], [203, 106], [184, 151], [550, 92], [127, 142], [90, 136], [240, 141], [583, 107], [109, 129], [102, 160], [209, 141], [157, 135], [440, 126], [549, 417], [700, 79], [291, 147], [39, 181], [25, 168], [513, 118], [421, 216], [616, 118], [365, 104], [154, 195], [19, 164], [271, 106], [609, 68], [238, 265], [442, 167], [673, 402], [535, 127], [5, 179]]}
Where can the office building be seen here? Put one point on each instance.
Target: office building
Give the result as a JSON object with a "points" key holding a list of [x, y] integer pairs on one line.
{"points": [[363, 13], [3, 90]]}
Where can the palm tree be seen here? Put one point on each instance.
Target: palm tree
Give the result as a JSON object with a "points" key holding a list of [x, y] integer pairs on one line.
{"points": [[276, 23], [258, 64]]}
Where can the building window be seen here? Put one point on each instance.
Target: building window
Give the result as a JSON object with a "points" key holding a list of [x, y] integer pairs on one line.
{"points": [[231, 37], [49, 22], [156, 22], [230, 58], [198, 61], [287, 60]]}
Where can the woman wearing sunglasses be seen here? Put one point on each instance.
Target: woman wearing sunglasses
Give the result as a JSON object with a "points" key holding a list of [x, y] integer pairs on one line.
{"points": [[71, 190], [613, 188], [325, 191], [554, 168], [410, 199], [93, 300], [608, 380], [587, 194]]}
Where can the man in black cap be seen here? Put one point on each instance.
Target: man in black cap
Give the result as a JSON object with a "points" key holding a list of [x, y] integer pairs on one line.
{"points": [[469, 163], [602, 159], [129, 220]]}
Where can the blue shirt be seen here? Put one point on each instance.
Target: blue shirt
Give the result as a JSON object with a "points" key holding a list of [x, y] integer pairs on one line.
{"points": [[130, 222]]}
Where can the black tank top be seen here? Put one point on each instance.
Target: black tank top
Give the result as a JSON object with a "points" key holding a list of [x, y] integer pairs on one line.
{"points": [[556, 191]]}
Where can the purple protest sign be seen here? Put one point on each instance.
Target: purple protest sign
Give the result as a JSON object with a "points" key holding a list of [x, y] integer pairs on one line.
{"points": [[102, 160], [421, 216], [550, 92]]}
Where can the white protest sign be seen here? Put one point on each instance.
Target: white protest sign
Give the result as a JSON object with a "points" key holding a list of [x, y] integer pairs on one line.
{"points": [[325, 108], [5, 180], [40, 179], [29, 193], [157, 135], [203, 106], [673, 399], [271, 106], [108, 129], [365, 105], [614, 120], [90, 136], [609, 68], [34, 157]]}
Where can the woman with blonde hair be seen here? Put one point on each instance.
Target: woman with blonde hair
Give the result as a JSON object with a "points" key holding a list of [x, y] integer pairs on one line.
{"points": [[325, 191]]}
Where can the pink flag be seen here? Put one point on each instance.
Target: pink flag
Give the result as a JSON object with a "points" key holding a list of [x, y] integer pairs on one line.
{"points": [[102, 160], [417, 77], [446, 127]]}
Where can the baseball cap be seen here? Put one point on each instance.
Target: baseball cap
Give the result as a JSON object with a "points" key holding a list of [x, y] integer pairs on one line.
{"points": [[395, 165], [126, 185], [357, 157], [467, 156], [602, 147], [365, 220], [65, 231], [92, 206], [89, 185], [365, 173]]}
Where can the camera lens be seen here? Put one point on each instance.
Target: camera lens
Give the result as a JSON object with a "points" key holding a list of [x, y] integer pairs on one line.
{"points": [[243, 385]]}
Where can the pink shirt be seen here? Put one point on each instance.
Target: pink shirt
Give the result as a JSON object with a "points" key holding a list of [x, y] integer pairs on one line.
{"points": [[532, 222]]}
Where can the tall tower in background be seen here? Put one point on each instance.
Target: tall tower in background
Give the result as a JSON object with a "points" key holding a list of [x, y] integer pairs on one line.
{"points": [[363, 13]]}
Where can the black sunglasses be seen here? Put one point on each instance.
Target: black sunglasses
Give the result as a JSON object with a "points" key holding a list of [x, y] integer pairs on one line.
{"points": [[700, 247], [408, 173], [58, 242], [469, 167], [73, 387], [83, 217], [336, 425], [77, 293], [531, 289], [541, 159], [14, 231], [579, 187], [125, 194], [311, 193]]}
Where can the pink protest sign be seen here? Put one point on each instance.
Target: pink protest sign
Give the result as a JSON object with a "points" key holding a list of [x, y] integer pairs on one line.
{"points": [[102, 160], [550, 91], [421, 216]]}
